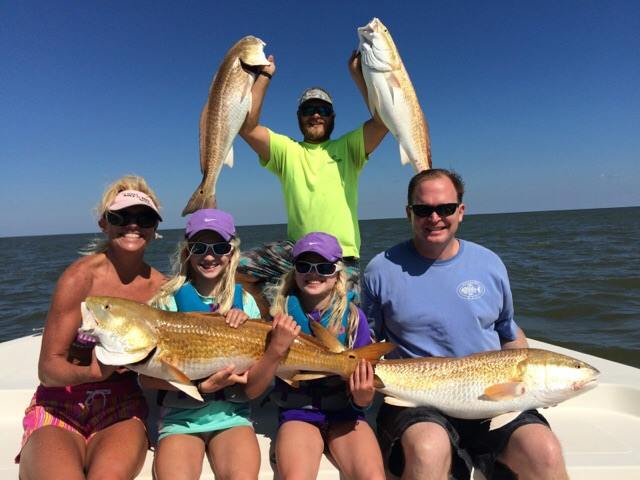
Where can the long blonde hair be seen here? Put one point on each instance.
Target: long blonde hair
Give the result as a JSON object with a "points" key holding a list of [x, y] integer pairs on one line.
{"points": [[127, 182], [338, 302], [182, 273]]}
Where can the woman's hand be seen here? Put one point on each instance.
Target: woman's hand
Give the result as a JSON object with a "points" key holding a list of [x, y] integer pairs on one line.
{"points": [[99, 371], [361, 385], [235, 317], [221, 379], [284, 331]]}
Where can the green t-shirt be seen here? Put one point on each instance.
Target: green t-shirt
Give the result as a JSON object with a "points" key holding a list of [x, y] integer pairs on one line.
{"points": [[320, 185]]}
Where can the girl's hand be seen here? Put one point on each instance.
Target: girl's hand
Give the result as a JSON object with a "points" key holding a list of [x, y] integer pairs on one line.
{"points": [[284, 331], [221, 379], [235, 317], [361, 384]]}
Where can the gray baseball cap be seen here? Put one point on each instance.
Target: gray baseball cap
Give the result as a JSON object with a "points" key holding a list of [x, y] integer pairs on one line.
{"points": [[315, 93]]}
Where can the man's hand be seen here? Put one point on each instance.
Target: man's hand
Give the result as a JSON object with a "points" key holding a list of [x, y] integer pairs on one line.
{"points": [[235, 317], [355, 69], [221, 379], [271, 68], [361, 384], [284, 330]]}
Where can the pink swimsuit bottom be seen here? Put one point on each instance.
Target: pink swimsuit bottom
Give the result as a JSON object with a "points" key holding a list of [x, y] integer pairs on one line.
{"points": [[85, 409]]}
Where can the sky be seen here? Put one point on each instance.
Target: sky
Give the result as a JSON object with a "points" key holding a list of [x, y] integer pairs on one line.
{"points": [[535, 104]]}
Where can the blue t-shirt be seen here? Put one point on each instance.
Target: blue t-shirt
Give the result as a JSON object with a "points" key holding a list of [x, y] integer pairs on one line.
{"points": [[444, 308]]}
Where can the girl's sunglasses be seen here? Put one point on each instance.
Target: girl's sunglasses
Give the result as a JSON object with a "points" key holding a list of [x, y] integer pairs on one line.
{"points": [[322, 110], [325, 269], [201, 248], [122, 218], [443, 210]]}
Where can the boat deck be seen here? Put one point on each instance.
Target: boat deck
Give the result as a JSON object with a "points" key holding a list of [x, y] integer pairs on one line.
{"points": [[599, 431]]}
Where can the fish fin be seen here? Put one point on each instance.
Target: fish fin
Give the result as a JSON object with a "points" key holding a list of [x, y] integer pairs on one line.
{"points": [[117, 358], [188, 388], [503, 391], [398, 403], [302, 377], [330, 342], [175, 372], [374, 351], [290, 381], [377, 381], [502, 420], [404, 156], [228, 161]]}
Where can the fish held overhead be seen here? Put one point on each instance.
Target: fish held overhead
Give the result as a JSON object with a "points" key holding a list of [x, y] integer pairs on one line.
{"points": [[392, 95], [497, 385], [180, 347], [223, 114]]}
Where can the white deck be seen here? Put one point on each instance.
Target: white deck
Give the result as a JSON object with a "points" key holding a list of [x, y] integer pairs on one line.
{"points": [[599, 431]]}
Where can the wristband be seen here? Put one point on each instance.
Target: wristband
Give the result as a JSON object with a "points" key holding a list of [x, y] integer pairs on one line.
{"points": [[265, 74], [358, 408]]}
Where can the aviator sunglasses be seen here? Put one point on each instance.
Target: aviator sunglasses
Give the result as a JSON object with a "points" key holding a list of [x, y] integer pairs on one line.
{"points": [[324, 269], [142, 219], [322, 110], [201, 248], [443, 210]]}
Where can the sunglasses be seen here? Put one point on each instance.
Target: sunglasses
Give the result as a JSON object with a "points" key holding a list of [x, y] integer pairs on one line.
{"points": [[142, 219], [219, 249], [325, 269], [322, 110], [443, 210]]}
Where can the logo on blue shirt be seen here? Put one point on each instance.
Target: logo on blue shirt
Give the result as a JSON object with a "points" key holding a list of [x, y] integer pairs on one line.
{"points": [[471, 290]]}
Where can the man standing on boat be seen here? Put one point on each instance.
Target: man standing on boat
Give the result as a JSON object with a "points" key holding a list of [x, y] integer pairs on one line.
{"points": [[437, 295], [319, 176]]}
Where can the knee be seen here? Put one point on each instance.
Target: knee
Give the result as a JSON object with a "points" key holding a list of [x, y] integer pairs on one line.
{"points": [[431, 453], [549, 456]]}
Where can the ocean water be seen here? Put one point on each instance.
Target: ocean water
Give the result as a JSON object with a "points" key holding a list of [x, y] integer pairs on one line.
{"points": [[575, 275]]}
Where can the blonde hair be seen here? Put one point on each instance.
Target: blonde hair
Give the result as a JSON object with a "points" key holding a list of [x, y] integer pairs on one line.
{"points": [[127, 182], [338, 301], [182, 273]]}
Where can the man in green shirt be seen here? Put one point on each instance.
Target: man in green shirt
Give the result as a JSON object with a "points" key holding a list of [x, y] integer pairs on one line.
{"points": [[319, 176]]}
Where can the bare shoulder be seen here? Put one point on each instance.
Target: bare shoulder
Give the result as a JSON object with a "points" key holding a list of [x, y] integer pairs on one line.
{"points": [[79, 276]]}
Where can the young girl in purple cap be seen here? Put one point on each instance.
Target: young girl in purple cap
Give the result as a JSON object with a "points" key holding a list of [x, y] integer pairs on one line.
{"points": [[204, 280], [86, 419], [324, 412]]}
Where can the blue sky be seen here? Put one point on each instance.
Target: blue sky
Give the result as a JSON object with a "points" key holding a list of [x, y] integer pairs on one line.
{"points": [[536, 104]]}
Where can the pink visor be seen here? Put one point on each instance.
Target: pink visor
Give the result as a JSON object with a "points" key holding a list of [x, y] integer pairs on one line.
{"points": [[129, 198]]}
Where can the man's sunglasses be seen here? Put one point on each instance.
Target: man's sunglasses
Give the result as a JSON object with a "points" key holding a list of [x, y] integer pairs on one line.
{"points": [[309, 110], [325, 269], [443, 210], [201, 248], [122, 218]]}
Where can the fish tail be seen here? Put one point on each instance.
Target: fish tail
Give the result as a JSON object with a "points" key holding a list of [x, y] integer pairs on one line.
{"points": [[373, 352], [200, 199]]}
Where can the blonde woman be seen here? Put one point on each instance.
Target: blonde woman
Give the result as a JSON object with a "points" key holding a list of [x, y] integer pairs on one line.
{"points": [[204, 280], [323, 413], [86, 419]]}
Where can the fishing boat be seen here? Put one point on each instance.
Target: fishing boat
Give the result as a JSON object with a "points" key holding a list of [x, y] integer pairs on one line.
{"points": [[599, 431]]}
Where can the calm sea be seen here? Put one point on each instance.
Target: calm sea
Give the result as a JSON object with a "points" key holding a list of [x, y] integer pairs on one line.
{"points": [[575, 274]]}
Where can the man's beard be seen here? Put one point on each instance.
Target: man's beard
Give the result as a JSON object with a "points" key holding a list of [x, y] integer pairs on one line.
{"points": [[328, 129]]}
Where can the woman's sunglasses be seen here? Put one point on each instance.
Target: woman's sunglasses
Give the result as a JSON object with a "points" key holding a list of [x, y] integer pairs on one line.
{"points": [[325, 269], [219, 249], [322, 110], [122, 218], [443, 210]]}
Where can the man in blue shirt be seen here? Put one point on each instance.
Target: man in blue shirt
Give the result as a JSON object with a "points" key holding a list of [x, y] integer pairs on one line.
{"points": [[437, 295]]}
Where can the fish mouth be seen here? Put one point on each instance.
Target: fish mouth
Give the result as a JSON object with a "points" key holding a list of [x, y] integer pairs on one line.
{"points": [[89, 320], [585, 385]]}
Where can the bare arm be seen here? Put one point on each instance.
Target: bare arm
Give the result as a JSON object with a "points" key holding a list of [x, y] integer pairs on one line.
{"points": [[251, 131], [519, 342], [374, 128], [261, 374], [63, 321]]}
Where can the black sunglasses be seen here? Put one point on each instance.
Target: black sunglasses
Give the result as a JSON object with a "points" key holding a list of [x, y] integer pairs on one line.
{"points": [[122, 218], [201, 248], [325, 269], [309, 110], [443, 210]]}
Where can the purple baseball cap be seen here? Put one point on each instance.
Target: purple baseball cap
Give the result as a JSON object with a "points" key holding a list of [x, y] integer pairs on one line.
{"points": [[321, 243], [211, 219]]}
